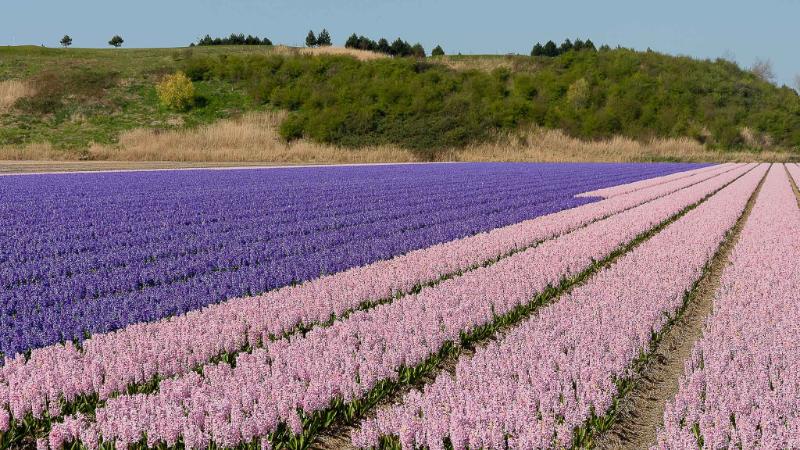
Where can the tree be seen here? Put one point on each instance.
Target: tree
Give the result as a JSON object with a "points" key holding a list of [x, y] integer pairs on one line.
{"points": [[565, 46], [550, 49], [400, 48], [311, 40], [538, 50], [352, 41], [176, 91], [383, 46], [324, 38], [365, 43], [116, 41], [437, 51], [578, 45], [762, 68], [418, 51], [66, 41], [797, 82], [578, 93], [234, 39], [589, 45]]}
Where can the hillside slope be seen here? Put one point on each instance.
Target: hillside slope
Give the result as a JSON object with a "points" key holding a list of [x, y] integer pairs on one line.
{"points": [[78, 99]]}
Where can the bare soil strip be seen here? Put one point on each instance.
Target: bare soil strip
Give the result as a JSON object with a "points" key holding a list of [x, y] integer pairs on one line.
{"points": [[54, 167], [641, 411], [338, 435], [793, 182]]}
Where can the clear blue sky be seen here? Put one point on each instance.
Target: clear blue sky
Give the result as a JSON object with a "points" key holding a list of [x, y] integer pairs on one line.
{"points": [[741, 30]]}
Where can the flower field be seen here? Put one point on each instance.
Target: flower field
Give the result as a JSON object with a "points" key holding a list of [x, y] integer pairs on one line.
{"points": [[419, 306]]}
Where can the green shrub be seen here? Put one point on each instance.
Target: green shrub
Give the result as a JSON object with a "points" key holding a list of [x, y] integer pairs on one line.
{"points": [[176, 91], [578, 93], [52, 87], [427, 107]]}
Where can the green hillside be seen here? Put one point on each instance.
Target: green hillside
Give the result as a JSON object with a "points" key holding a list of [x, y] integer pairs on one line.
{"points": [[92, 95], [83, 96]]}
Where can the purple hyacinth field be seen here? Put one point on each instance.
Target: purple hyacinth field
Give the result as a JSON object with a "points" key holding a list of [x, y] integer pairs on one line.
{"points": [[454, 305]]}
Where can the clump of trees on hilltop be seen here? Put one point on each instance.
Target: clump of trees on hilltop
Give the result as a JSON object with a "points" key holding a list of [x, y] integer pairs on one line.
{"points": [[233, 39], [397, 48], [321, 40], [116, 41], [551, 49]]}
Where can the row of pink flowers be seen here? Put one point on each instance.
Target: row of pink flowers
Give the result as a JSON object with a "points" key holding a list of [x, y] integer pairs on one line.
{"points": [[268, 386], [794, 170], [621, 189], [532, 388], [109, 362], [741, 388]]}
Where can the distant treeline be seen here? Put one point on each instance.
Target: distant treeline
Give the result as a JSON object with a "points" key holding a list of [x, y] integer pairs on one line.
{"points": [[551, 49], [397, 48], [233, 39]]}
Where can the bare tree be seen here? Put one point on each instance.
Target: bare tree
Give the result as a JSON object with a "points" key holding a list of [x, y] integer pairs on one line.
{"points": [[729, 56], [797, 82], [762, 68]]}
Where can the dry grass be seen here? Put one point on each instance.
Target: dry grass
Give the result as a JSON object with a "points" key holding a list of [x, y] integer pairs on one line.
{"points": [[13, 90], [539, 144], [254, 138], [486, 63], [361, 55], [35, 152]]}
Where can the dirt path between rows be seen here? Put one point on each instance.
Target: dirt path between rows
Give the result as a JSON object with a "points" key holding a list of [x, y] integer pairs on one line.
{"points": [[793, 182], [641, 411], [58, 167]]}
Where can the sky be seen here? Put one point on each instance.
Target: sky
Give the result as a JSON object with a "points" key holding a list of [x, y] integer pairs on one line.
{"points": [[734, 29]]}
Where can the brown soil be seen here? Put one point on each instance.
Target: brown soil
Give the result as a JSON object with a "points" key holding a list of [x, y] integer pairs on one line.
{"points": [[8, 167], [33, 167], [641, 411], [793, 182]]}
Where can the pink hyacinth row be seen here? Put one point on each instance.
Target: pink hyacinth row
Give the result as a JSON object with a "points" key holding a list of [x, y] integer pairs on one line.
{"points": [[794, 170], [741, 385], [621, 189], [108, 363], [233, 405], [532, 388]]}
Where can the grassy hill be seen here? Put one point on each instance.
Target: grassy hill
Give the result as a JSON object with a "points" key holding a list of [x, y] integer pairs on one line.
{"points": [[78, 99]]}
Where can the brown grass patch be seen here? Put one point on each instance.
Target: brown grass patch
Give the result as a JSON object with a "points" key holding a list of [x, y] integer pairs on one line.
{"points": [[361, 55], [13, 90], [254, 138], [546, 145], [251, 138], [484, 63], [38, 151]]}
